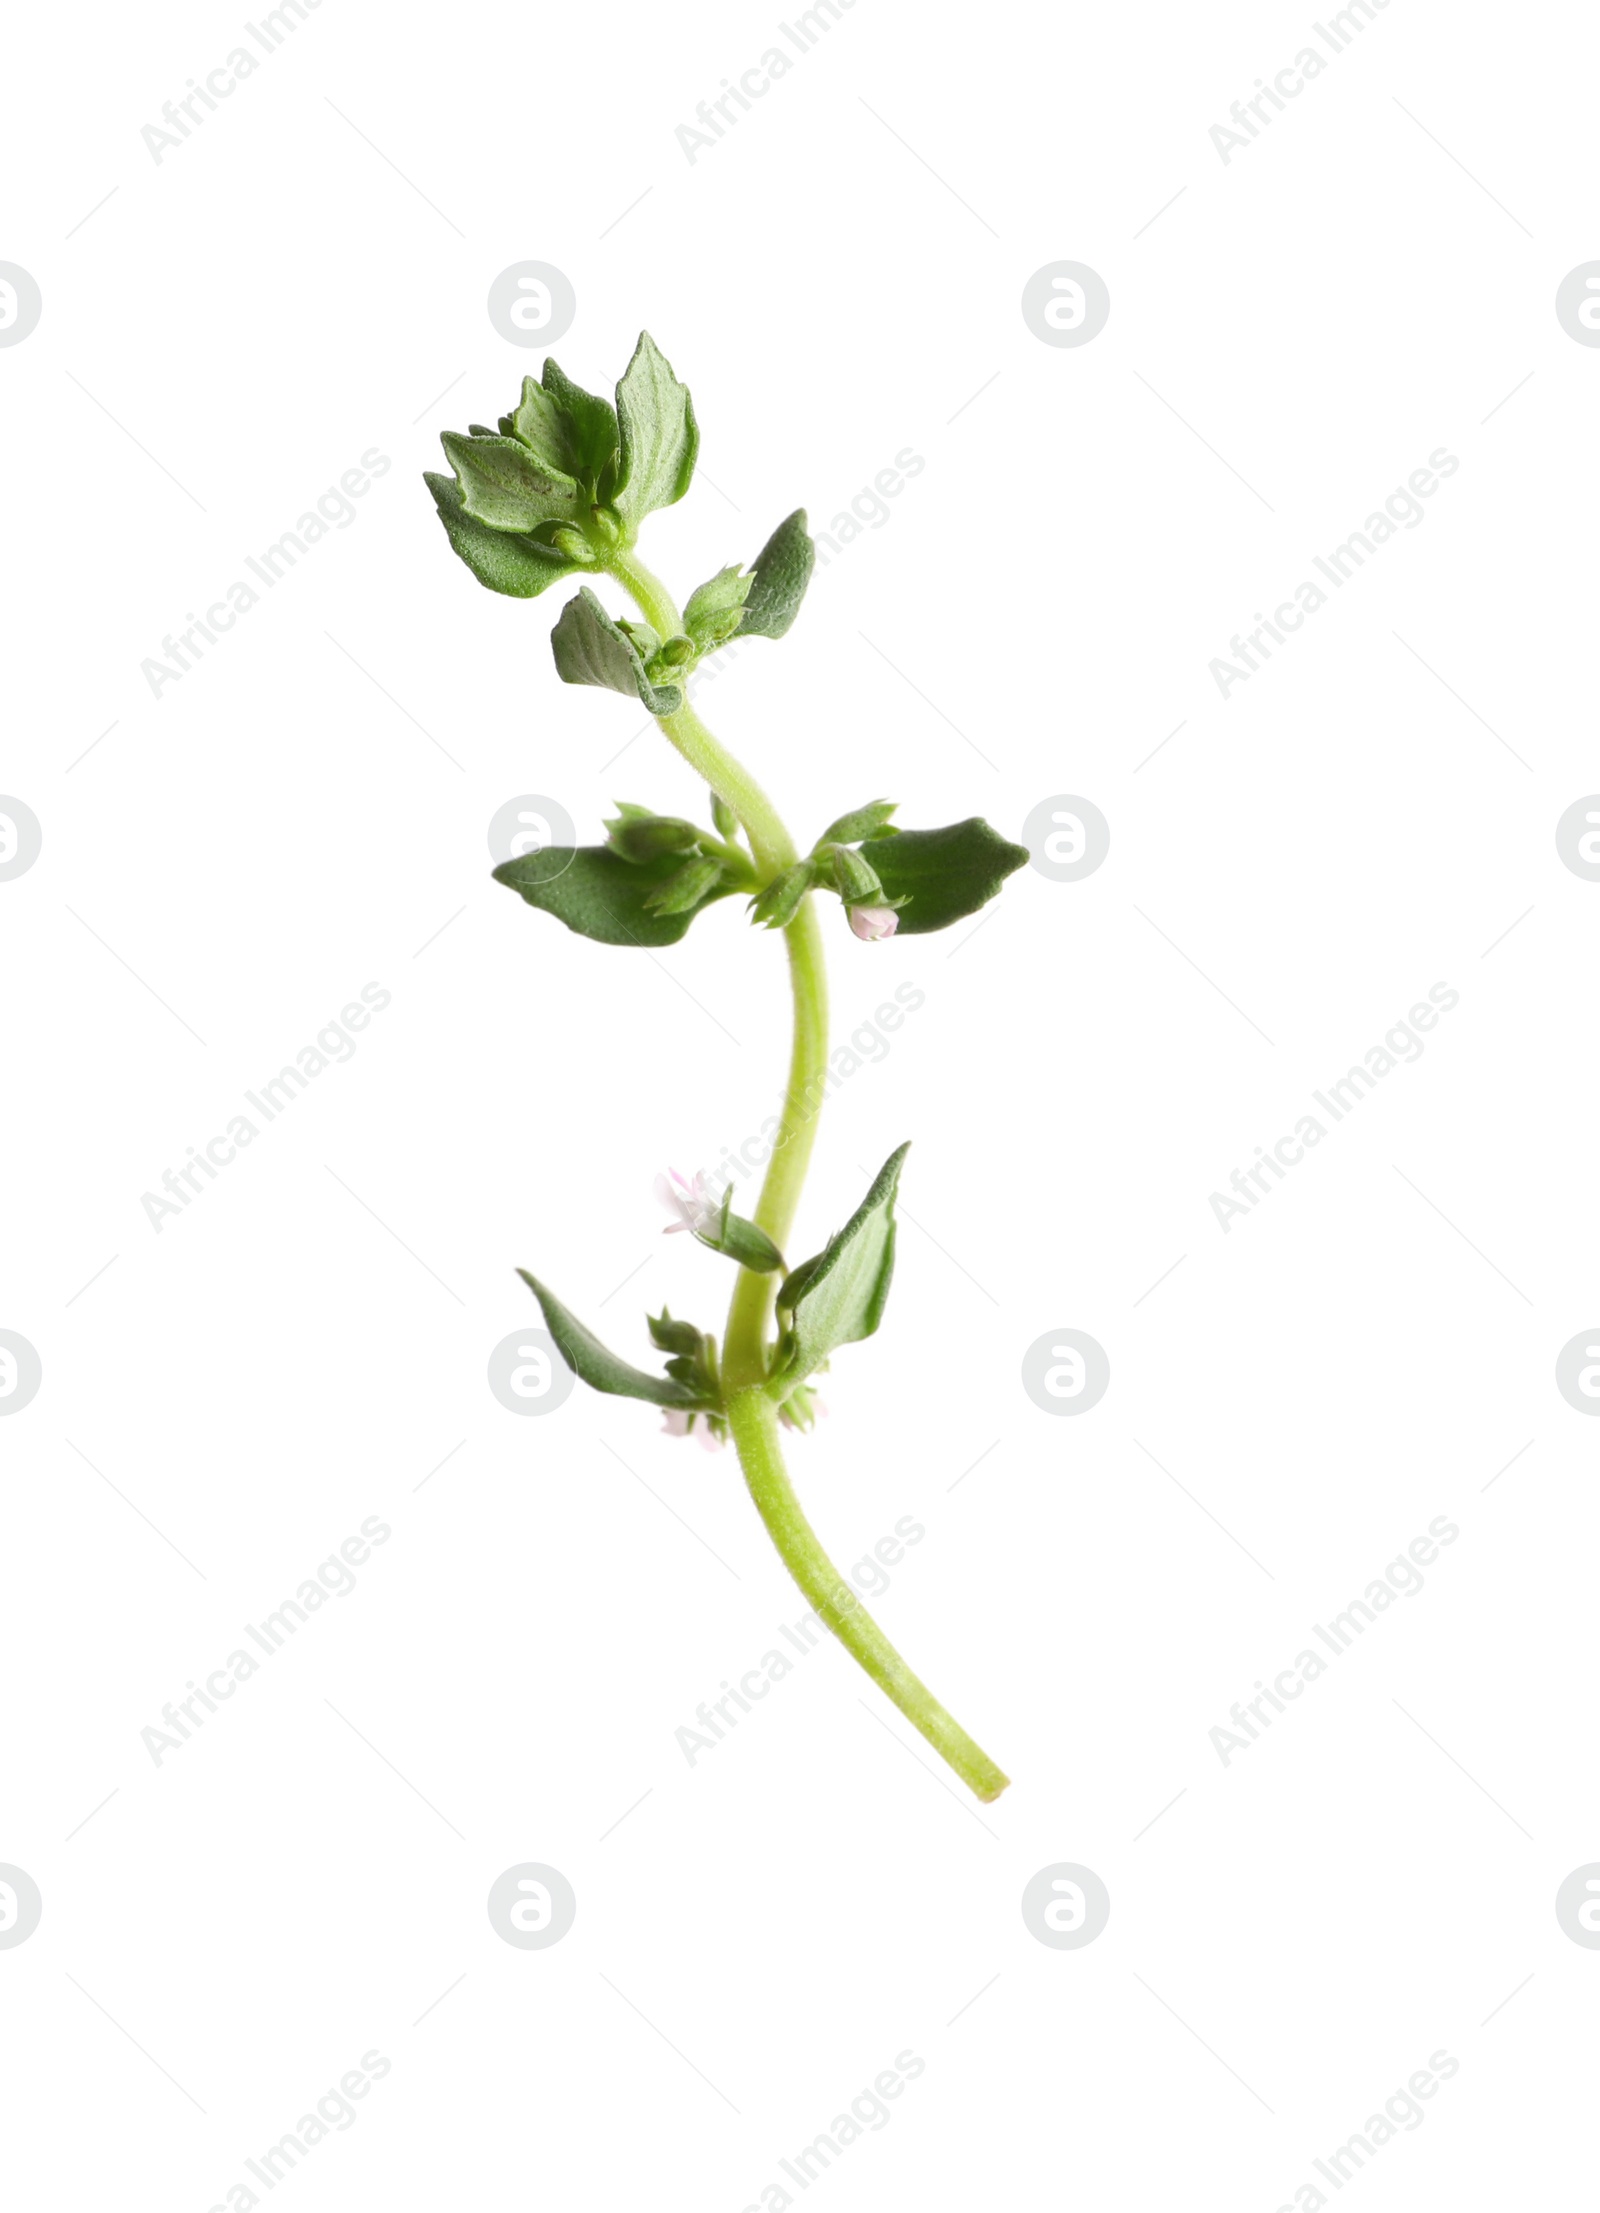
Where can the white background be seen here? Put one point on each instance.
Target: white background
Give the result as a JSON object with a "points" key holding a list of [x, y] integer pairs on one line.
{"points": [[305, 812]]}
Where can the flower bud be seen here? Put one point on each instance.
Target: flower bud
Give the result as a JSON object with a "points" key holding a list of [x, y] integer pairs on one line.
{"points": [[855, 880], [872, 923], [572, 545]]}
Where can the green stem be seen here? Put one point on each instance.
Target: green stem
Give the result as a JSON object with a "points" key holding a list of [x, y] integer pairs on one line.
{"points": [[754, 1421], [752, 1417], [745, 1349], [770, 842], [656, 603]]}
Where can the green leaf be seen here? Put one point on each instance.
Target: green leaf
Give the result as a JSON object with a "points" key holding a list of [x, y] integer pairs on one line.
{"points": [[687, 888], [864, 822], [723, 816], [838, 1297], [499, 559], [777, 906], [592, 426], [744, 1241], [779, 576], [942, 875], [593, 1364], [598, 894], [590, 648], [659, 436], [503, 486], [716, 608], [545, 428], [639, 834]]}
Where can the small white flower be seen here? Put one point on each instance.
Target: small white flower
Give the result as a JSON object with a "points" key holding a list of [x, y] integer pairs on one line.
{"points": [[872, 923], [697, 1208]]}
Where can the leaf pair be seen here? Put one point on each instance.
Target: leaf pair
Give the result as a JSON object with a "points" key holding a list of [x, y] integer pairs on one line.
{"points": [[590, 647], [836, 1298], [567, 478], [633, 891]]}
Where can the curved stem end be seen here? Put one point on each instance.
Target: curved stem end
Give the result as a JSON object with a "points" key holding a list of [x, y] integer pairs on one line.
{"points": [[753, 1420]]}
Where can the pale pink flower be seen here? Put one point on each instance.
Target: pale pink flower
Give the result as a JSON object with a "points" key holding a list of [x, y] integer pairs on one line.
{"points": [[697, 1208], [872, 923], [678, 1421]]}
